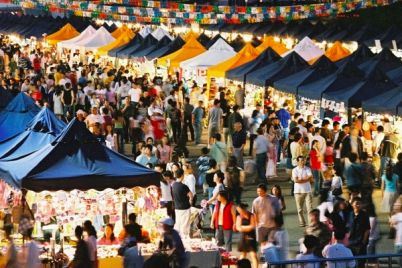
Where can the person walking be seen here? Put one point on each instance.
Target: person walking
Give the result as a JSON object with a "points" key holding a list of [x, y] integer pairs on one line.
{"points": [[197, 116], [235, 177], [301, 176], [224, 220], [219, 152], [245, 224], [188, 112], [182, 198], [315, 164], [260, 154], [389, 189], [239, 138], [215, 120]]}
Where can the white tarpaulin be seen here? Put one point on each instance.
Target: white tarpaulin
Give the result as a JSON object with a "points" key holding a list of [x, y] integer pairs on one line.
{"points": [[160, 33], [76, 41], [306, 49], [145, 31], [101, 38], [218, 52]]}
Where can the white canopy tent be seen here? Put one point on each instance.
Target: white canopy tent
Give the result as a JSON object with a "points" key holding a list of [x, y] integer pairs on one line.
{"points": [[145, 31], [159, 33], [306, 49], [217, 53], [101, 38], [73, 42]]}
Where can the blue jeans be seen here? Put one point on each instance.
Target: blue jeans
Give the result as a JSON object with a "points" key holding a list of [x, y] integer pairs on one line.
{"points": [[261, 162], [224, 237], [398, 250], [384, 162], [285, 132], [316, 176], [197, 132], [238, 153]]}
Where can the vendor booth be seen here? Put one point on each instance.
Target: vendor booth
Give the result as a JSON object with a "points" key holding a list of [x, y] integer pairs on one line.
{"points": [[65, 33], [337, 52], [80, 39], [120, 41], [101, 38]]}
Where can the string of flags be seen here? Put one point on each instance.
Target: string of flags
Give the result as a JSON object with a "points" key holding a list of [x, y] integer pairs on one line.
{"points": [[168, 12]]}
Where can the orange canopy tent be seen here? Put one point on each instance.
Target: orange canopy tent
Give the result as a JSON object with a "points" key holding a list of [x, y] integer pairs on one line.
{"points": [[190, 49], [337, 52], [123, 39], [270, 42], [121, 30], [65, 33], [248, 53]]}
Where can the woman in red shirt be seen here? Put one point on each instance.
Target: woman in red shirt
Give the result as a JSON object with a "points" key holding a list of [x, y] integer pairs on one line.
{"points": [[315, 165]]}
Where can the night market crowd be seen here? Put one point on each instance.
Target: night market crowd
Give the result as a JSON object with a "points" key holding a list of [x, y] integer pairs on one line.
{"points": [[160, 117]]}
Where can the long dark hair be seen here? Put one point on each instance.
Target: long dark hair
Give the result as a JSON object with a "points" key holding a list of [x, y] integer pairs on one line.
{"points": [[112, 237]]}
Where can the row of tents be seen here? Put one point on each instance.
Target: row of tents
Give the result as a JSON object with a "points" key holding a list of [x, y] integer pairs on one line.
{"points": [[40, 152]]}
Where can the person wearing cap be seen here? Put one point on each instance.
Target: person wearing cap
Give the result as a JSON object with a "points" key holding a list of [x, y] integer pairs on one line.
{"points": [[171, 242]]}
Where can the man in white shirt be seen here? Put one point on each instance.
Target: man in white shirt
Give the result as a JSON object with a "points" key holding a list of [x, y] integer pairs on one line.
{"points": [[301, 176], [94, 118], [296, 148], [302, 129], [378, 138], [135, 94], [338, 250]]}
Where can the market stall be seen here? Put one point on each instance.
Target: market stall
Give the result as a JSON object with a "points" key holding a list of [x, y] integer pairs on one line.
{"points": [[80, 39], [269, 42], [120, 41], [101, 38], [337, 52], [65, 33]]}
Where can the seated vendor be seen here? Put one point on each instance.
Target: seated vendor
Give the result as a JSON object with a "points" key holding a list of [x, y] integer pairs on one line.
{"points": [[132, 227], [108, 237]]}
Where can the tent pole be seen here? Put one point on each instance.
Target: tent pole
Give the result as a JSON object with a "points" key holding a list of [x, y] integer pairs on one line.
{"points": [[349, 115]]}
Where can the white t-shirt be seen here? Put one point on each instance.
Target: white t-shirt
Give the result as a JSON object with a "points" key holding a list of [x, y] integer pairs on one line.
{"points": [[307, 257], [135, 94], [189, 180], [301, 188], [94, 118], [396, 220], [323, 207], [338, 251], [166, 192]]}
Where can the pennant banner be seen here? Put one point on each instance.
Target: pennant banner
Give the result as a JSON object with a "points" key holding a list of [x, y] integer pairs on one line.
{"points": [[177, 13]]}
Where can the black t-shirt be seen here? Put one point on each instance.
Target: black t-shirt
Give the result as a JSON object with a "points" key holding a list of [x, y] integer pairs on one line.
{"points": [[180, 195], [360, 225], [209, 177]]}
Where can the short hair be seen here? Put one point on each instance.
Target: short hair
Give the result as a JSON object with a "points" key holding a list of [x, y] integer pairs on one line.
{"points": [[299, 158], [296, 115], [179, 173], [187, 99], [132, 217], [235, 108], [356, 199], [310, 241], [364, 156], [380, 128], [336, 123], [345, 126], [353, 157], [224, 194], [78, 231], [212, 162], [244, 263], [262, 186], [218, 136], [298, 136], [315, 212], [260, 131], [205, 150], [400, 157], [216, 102], [301, 120], [325, 122], [339, 234], [149, 147], [168, 174]]}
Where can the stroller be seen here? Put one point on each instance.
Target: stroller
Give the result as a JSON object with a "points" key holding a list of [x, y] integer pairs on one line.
{"points": [[197, 221]]}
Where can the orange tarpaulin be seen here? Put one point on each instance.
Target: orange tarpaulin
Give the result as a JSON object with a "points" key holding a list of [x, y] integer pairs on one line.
{"points": [[65, 33], [337, 52], [190, 49], [270, 42], [123, 39], [121, 30], [248, 53]]}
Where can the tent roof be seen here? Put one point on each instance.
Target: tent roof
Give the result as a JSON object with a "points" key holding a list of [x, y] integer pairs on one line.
{"points": [[85, 35], [135, 42], [321, 68], [149, 41], [386, 60], [5, 98], [270, 42], [100, 38], [239, 73], [166, 49], [307, 49], [191, 49], [337, 52], [65, 33], [203, 39], [346, 76], [213, 40], [360, 55], [238, 43], [76, 160], [386, 103], [40, 131], [248, 53], [267, 75], [122, 40], [396, 75], [217, 53], [16, 115], [159, 33], [145, 31], [375, 84], [122, 30]]}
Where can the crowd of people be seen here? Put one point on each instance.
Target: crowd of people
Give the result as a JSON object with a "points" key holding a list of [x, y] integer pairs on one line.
{"points": [[161, 117]]}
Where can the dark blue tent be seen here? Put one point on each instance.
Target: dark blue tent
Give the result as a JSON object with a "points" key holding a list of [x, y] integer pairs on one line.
{"points": [[347, 76], [177, 43], [203, 39], [213, 40], [17, 114], [239, 73], [76, 160], [392, 33], [41, 131], [312, 31], [385, 60], [147, 50], [5, 98], [149, 41], [321, 68], [238, 43], [267, 75], [365, 33], [376, 83], [386, 103], [396, 75], [361, 55], [126, 51], [134, 42]]}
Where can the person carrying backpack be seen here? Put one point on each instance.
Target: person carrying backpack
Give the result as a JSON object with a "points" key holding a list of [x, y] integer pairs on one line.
{"points": [[234, 180]]}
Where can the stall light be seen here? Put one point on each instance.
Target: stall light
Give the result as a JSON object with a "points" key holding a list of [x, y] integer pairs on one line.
{"points": [[277, 39], [119, 24], [247, 37]]}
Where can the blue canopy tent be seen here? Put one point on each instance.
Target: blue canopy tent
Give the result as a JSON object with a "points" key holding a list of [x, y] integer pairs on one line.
{"points": [[396, 75], [147, 50], [76, 160], [136, 41], [177, 43], [376, 83], [16, 115], [312, 31], [386, 103], [5, 98], [41, 131], [361, 55], [125, 53], [365, 33], [213, 40], [203, 39], [345, 77], [392, 33], [385, 60], [239, 73], [238, 43], [321, 68], [149, 41], [267, 75]]}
